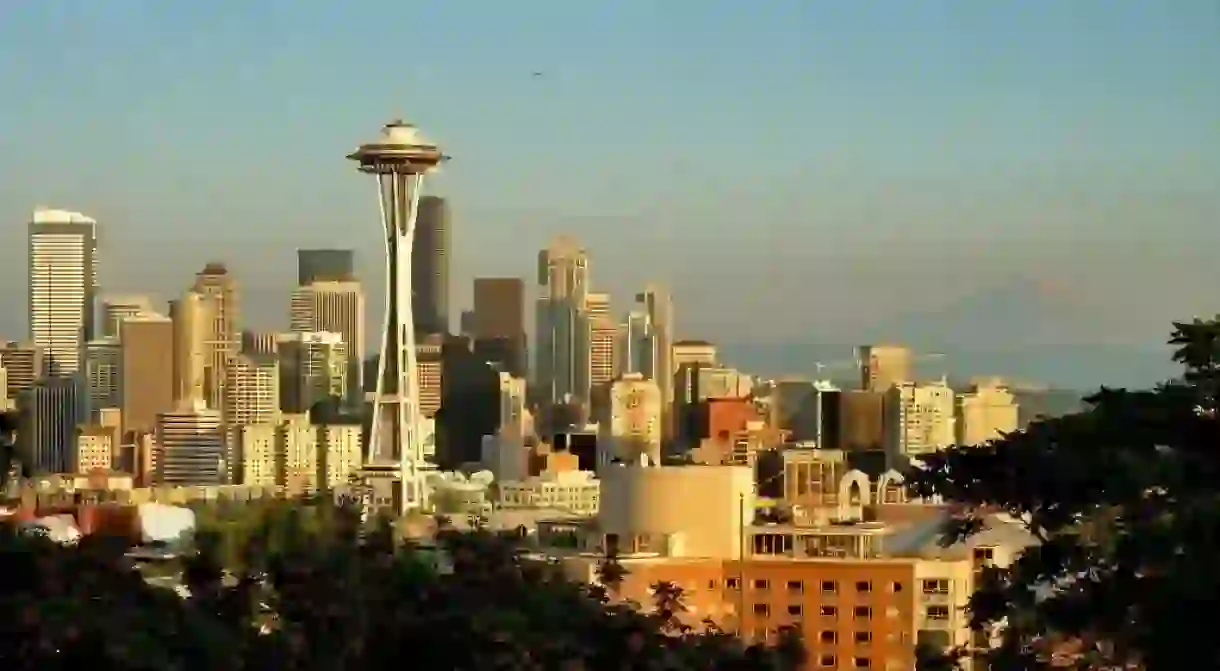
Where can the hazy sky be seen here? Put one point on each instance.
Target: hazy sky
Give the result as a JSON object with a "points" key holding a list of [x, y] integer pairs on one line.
{"points": [[810, 165]]}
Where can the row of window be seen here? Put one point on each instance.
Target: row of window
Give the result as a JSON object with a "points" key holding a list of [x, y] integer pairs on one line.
{"points": [[796, 610], [798, 587]]}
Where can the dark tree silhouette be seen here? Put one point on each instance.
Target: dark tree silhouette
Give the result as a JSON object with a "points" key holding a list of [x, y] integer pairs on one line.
{"points": [[1125, 500], [323, 592]]}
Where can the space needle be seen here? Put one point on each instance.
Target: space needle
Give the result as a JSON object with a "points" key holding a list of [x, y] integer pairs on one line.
{"points": [[399, 158]]}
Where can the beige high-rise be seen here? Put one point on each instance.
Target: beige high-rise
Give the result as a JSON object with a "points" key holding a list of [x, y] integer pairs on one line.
{"points": [[883, 366], [146, 382], [334, 307], [222, 331], [987, 412], [190, 323], [117, 308]]}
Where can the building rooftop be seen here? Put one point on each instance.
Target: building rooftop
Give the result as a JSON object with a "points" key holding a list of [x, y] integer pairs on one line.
{"points": [[52, 216], [924, 538]]}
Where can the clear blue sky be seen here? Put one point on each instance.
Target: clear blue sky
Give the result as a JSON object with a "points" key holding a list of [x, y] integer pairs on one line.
{"points": [[807, 165]]}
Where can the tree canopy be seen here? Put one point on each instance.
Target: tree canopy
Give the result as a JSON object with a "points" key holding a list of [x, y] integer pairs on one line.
{"points": [[1125, 500], [324, 593]]}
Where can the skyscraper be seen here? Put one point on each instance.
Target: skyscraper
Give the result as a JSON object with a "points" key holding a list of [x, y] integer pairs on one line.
{"points": [[430, 266], [117, 308], [883, 366], [313, 368], [222, 332], [146, 383], [191, 326], [62, 287], [24, 365], [498, 322], [51, 409], [103, 374], [192, 446], [562, 370], [499, 307], [325, 265], [334, 307]]}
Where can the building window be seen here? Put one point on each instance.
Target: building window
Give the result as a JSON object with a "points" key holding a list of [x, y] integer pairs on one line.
{"points": [[762, 609], [761, 584], [864, 586], [936, 587], [938, 612], [863, 637], [733, 583], [794, 610], [829, 587], [829, 611], [828, 662], [896, 587], [711, 584], [828, 636], [796, 586], [984, 554], [863, 663], [863, 612]]}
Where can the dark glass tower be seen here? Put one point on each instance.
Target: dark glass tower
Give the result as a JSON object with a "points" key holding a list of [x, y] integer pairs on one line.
{"points": [[430, 266]]}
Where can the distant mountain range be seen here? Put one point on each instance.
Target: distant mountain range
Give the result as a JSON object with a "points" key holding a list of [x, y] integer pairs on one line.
{"points": [[1066, 367], [1014, 331]]}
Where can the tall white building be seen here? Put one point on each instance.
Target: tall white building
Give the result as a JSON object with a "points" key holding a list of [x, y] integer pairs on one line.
{"points": [[919, 418], [62, 287], [562, 368], [657, 304], [335, 307], [192, 446]]}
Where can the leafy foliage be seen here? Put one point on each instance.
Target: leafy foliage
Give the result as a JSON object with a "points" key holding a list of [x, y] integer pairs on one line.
{"points": [[1125, 500], [313, 590]]}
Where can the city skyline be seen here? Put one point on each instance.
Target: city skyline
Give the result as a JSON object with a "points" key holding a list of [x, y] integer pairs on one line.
{"points": [[1049, 169]]}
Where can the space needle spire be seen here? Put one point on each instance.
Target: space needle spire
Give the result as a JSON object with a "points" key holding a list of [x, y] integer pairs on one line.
{"points": [[398, 158]]}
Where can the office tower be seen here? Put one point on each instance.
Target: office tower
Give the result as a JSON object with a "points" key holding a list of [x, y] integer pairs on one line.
{"points": [[222, 333], [656, 302], [51, 410], [699, 352], [430, 266], [103, 374], [117, 308], [191, 446], [635, 343], [504, 453], [466, 323], [342, 453], [325, 265], [260, 457], [498, 322], [96, 447], [603, 334], [862, 416], [254, 390], [259, 342], [634, 430], [252, 396], [145, 380], [919, 418], [429, 358], [469, 403], [24, 365], [399, 158], [313, 368], [63, 285], [499, 307], [334, 307], [191, 321], [987, 412], [883, 366], [562, 369]]}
